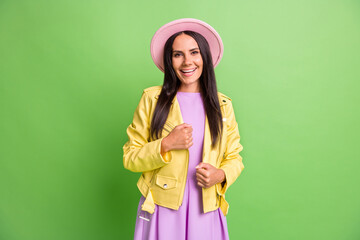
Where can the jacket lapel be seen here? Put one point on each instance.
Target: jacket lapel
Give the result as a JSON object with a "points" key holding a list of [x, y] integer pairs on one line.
{"points": [[175, 116], [207, 141], [207, 135]]}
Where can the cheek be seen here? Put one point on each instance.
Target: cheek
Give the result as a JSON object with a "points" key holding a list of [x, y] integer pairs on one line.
{"points": [[199, 62], [200, 66], [175, 64]]}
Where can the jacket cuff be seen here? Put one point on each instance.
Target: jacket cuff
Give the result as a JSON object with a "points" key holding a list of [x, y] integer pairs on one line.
{"points": [[166, 157], [221, 187]]}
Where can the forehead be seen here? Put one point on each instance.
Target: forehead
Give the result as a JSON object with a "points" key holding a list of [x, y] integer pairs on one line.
{"points": [[184, 42]]}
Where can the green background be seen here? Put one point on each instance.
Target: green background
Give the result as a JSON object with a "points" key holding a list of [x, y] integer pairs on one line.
{"points": [[72, 73]]}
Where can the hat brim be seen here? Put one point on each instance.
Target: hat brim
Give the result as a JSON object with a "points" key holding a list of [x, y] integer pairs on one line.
{"points": [[186, 24]]}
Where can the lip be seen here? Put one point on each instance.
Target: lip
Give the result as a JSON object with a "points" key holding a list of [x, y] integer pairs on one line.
{"points": [[187, 73]]}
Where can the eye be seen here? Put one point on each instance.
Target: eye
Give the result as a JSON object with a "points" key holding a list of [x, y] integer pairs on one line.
{"points": [[176, 54], [195, 52]]}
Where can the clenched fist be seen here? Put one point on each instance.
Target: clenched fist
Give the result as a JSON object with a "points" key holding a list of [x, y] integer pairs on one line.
{"points": [[179, 138], [207, 175]]}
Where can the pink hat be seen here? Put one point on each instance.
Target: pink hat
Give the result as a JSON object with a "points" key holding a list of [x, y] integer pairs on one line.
{"points": [[185, 24]]}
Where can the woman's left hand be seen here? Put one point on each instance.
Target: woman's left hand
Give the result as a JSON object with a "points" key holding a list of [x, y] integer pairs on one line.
{"points": [[207, 175]]}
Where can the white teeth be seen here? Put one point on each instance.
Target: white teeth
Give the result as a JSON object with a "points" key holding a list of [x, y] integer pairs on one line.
{"points": [[187, 71]]}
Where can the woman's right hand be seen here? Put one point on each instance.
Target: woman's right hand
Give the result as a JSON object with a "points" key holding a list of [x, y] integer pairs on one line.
{"points": [[179, 138]]}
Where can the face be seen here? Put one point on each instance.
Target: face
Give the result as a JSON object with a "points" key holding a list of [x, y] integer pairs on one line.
{"points": [[187, 63]]}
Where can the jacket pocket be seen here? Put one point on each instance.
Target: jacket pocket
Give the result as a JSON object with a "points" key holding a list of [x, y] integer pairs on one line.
{"points": [[166, 183]]}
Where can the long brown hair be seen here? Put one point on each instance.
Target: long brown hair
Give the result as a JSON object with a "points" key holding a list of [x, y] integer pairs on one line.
{"points": [[171, 85]]}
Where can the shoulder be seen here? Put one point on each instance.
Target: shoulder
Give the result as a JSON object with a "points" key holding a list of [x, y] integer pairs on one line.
{"points": [[223, 99], [225, 105], [227, 108], [152, 91]]}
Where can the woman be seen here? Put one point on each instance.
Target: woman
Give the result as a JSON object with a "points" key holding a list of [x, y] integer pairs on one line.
{"points": [[184, 139]]}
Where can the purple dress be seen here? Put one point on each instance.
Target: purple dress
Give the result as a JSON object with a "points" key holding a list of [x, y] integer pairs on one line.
{"points": [[188, 222]]}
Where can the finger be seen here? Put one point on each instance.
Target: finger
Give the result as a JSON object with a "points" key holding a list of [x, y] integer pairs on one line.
{"points": [[203, 172], [203, 184], [185, 125], [200, 184], [200, 165], [201, 178], [190, 129], [203, 165], [187, 131]]}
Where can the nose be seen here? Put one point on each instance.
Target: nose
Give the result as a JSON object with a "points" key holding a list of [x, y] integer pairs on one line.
{"points": [[187, 59]]}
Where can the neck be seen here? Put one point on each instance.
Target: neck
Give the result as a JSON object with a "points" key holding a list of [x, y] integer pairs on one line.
{"points": [[189, 88]]}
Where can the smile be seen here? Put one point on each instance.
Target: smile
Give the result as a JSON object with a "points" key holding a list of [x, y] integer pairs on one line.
{"points": [[188, 70]]}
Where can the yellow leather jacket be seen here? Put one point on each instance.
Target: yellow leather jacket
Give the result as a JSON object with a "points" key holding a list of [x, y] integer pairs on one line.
{"points": [[163, 178]]}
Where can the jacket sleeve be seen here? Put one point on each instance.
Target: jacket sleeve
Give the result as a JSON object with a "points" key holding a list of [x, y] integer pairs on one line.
{"points": [[141, 154], [232, 161]]}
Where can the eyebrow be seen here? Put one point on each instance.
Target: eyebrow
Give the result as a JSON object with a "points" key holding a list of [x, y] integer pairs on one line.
{"points": [[189, 50]]}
